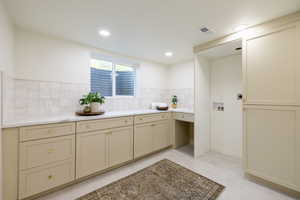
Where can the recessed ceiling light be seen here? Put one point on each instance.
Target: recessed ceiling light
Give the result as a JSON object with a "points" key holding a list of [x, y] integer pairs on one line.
{"points": [[241, 27], [169, 54], [104, 33]]}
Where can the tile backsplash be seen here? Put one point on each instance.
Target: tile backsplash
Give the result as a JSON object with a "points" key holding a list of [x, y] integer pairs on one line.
{"points": [[26, 99]]}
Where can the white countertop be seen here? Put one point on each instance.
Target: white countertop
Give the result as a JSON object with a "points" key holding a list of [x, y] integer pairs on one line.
{"points": [[74, 118]]}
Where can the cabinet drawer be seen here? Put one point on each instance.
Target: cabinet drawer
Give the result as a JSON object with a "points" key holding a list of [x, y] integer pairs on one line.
{"points": [[46, 151], [103, 124], [151, 118], [188, 117], [46, 131], [38, 180]]}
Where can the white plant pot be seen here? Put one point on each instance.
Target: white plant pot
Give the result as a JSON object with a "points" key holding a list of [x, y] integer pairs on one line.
{"points": [[95, 107]]}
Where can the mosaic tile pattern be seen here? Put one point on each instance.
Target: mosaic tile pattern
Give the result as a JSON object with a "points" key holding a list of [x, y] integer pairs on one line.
{"points": [[165, 180]]}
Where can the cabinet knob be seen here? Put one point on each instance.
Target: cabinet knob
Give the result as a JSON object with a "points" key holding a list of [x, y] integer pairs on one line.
{"points": [[50, 177]]}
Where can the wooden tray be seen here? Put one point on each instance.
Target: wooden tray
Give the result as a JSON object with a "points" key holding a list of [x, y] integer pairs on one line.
{"points": [[90, 114], [162, 108]]}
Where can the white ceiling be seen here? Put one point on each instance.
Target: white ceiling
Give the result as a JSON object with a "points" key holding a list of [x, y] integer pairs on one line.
{"points": [[144, 28]]}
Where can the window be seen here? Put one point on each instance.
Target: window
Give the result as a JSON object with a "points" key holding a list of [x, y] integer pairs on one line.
{"points": [[112, 79]]}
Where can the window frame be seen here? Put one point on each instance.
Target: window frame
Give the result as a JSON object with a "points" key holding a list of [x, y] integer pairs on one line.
{"points": [[114, 75]]}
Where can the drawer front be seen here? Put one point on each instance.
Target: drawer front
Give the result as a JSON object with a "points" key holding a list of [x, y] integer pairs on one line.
{"points": [[103, 124], [188, 117], [46, 151], [38, 180], [151, 118], [46, 131]]}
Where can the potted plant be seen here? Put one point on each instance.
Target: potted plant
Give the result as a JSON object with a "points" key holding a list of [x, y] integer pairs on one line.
{"points": [[92, 102], [174, 101]]}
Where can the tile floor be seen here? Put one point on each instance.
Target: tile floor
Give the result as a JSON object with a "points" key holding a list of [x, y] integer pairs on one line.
{"points": [[222, 169]]}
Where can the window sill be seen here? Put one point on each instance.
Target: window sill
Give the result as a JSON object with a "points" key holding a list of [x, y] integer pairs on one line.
{"points": [[121, 97]]}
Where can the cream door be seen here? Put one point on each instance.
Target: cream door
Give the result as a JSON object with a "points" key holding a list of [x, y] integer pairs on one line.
{"points": [[120, 146], [271, 143], [92, 152], [143, 139], [271, 67], [161, 135]]}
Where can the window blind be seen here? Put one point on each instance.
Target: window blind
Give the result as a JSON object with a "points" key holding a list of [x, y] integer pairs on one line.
{"points": [[125, 80], [112, 79]]}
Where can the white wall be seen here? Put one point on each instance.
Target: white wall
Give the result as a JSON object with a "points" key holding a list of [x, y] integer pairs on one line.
{"points": [[45, 58], [226, 127], [6, 42], [181, 83], [202, 106], [52, 74], [6, 62], [48, 59], [181, 76]]}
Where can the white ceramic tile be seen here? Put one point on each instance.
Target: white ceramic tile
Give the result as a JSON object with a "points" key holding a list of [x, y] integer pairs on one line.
{"points": [[25, 99]]}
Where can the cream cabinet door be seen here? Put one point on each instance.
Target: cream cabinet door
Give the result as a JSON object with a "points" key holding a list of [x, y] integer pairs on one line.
{"points": [[161, 135], [143, 139], [271, 67], [270, 142], [92, 152], [120, 146]]}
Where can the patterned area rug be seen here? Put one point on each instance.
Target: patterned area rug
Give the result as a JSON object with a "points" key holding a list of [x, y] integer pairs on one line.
{"points": [[164, 180]]}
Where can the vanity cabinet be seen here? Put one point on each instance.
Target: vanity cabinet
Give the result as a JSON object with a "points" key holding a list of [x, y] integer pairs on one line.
{"points": [[46, 157], [150, 137]]}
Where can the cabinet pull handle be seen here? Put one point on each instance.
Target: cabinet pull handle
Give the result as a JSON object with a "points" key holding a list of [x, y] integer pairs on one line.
{"points": [[50, 151]]}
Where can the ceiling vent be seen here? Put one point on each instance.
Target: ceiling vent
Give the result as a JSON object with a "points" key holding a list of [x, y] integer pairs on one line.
{"points": [[205, 30]]}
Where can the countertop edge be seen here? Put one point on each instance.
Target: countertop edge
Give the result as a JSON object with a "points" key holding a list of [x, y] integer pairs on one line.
{"points": [[86, 118]]}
